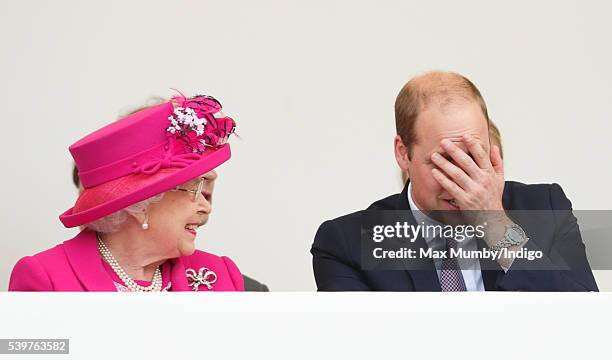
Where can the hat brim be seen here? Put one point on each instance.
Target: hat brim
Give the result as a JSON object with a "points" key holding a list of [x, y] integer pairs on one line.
{"points": [[182, 175]]}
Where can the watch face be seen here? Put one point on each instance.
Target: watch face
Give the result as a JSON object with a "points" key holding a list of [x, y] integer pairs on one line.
{"points": [[514, 235]]}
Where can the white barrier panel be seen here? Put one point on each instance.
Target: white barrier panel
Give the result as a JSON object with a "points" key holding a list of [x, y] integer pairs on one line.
{"points": [[312, 325]]}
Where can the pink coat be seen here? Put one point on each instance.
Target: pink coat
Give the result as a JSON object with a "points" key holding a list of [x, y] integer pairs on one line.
{"points": [[76, 265]]}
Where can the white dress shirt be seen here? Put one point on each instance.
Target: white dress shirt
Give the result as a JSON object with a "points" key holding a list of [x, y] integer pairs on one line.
{"points": [[470, 268]]}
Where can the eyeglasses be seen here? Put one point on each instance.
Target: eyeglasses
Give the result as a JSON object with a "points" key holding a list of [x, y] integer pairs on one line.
{"points": [[196, 192]]}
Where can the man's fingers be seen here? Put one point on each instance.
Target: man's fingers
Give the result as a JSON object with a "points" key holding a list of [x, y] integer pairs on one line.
{"points": [[454, 172], [496, 160], [462, 159], [448, 185], [478, 152]]}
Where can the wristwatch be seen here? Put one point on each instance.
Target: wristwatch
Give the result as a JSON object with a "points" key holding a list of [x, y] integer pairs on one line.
{"points": [[514, 235]]}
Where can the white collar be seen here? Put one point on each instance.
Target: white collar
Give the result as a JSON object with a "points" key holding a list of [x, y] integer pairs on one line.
{"points": [[421, 217], [418, 214]]}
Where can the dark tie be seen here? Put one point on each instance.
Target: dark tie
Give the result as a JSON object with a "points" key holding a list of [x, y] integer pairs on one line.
{"points": [[451, 278]]}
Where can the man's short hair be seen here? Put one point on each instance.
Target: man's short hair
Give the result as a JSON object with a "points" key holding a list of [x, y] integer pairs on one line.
{"points": [[437, 88]]}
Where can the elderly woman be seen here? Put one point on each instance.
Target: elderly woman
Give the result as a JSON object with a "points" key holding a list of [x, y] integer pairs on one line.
{"points": [[147, 182]]}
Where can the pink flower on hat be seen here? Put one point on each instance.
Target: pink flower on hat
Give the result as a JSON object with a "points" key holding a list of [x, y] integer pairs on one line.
{"points": [[203, 105], [198, 122], [218, 130]]}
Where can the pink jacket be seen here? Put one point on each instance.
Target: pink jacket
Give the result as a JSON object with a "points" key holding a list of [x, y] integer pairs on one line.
{"points": [[76, 265]]}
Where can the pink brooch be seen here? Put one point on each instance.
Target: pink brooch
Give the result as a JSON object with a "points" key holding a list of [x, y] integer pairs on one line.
{"points": [[198, 123]]}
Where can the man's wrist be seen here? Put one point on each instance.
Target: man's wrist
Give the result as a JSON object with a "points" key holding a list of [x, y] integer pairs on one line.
{"points": [[496, 222], [513, 236], [513, 240]]}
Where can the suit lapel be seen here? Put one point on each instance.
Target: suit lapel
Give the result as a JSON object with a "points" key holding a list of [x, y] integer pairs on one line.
{"points": [[423, 280], [489, 277], [84, 258], [178, 276]]}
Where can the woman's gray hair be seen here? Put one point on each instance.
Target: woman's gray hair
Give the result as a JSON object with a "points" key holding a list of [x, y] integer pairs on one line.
{"points": [[113, 222]]}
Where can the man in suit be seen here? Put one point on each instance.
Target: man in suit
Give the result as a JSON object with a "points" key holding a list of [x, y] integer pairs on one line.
{"points": [[443, 144]]}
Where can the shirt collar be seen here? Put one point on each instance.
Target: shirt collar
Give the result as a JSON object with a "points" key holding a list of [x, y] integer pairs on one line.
{"points": [[422, 218]]}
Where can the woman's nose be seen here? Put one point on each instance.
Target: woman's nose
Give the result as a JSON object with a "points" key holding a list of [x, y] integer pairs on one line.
{"points": [[204, 204]]}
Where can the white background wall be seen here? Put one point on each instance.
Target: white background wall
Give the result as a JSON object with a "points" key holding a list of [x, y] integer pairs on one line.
{"points": [[312, 86]]}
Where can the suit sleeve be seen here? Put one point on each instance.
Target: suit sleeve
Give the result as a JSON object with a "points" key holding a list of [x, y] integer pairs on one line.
{"points": [[331, 261], [29, 275], [566, 253], [235, 274], [254, 285]]}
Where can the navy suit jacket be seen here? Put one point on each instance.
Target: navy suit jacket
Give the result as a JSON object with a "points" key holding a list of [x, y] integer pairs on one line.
{"points": [[336, 250]]}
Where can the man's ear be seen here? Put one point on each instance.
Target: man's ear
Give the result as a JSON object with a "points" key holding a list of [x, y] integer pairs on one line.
{"points": [[401, 154]]}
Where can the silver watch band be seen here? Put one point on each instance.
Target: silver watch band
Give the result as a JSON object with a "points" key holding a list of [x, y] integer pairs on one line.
{"points": [[514, 235]]}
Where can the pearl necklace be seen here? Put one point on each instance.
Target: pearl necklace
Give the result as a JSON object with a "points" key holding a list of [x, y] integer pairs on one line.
{"points": [[156, 284]]}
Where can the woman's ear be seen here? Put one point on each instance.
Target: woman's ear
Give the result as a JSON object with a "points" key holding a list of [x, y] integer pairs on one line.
{"points": [[141, 218], [138, 216]]}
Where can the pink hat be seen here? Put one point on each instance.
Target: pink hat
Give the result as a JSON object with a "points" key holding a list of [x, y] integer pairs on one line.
{"points": [[147, 153]]}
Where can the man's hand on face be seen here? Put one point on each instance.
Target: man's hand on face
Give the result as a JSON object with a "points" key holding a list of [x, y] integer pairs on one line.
{"points": [[475, 184]]}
